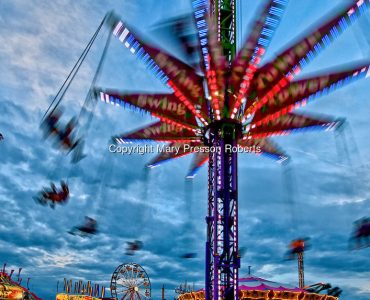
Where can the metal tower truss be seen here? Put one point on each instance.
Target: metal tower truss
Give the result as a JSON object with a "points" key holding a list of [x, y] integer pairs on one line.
{"points": [[222, 220], [224, 12]]}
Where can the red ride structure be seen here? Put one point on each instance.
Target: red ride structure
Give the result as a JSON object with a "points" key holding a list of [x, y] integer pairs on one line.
{"points": [[234, 105]]}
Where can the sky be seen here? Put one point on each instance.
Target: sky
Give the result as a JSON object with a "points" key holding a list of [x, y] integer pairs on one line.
{"points": [[324, 190]]}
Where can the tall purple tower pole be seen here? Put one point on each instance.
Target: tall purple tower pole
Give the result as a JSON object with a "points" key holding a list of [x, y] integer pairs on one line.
{"points": [[222, 260]]}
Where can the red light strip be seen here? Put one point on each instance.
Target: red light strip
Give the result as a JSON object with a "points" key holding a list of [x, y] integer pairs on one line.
{"points": [[180, 140], [214, 93], [330, 126], [283, 82], [173, 122], [244, 86], [187, 103]]}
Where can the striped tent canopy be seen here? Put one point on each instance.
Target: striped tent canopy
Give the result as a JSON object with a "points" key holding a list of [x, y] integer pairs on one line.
{"points": [[256, 288], [260, 284]]}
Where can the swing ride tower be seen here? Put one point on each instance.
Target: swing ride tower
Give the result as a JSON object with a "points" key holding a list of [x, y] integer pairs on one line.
{"points": [[232, 104], [222, 259]]}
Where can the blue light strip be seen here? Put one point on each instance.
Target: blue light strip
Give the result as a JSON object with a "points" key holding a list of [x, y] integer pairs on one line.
{"points": [[193, 172], [359, 74], [158, 163], [119, 102], [348, 18], [325, 127], [272, 21], [200, 13], [136, 48], [332, 125], [278, 157]]}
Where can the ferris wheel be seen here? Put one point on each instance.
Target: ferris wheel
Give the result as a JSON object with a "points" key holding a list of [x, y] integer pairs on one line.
{"points": [[130, 282]]}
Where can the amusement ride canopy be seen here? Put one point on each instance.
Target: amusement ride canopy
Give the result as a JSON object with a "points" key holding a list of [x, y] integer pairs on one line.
{"points": [[232, 103]]}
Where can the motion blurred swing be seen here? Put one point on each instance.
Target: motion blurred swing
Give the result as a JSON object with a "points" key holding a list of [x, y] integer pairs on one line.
{"points": [[298, 246], [90, 224], [189, 229], [360, 236], [133, 246], [69, 137]]}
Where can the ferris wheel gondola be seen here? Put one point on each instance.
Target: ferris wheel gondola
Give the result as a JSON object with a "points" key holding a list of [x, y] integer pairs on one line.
{"points": [[130, 282]]}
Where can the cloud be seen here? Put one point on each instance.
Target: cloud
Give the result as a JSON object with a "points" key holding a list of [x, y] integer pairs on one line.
{"points": [[39, 42]]}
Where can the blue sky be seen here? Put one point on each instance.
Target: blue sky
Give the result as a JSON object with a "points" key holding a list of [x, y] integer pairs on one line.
{"points": [[40, 41]]}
